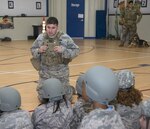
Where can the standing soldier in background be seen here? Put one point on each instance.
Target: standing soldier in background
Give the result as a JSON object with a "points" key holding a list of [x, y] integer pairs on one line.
{"points": [[52, 51], [129, 17]]}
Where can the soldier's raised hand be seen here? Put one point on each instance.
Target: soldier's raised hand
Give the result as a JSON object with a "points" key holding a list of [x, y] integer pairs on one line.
{"points": [[58, 49], [43, 48]]}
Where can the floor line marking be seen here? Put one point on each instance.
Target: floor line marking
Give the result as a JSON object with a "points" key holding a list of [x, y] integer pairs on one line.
{"points": [[109, 61], [80, 64]]}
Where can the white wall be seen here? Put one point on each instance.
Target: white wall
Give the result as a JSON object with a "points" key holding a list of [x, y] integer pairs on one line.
{"points": [[57, 8], [27, 7], [22, 28], [23, 25]]}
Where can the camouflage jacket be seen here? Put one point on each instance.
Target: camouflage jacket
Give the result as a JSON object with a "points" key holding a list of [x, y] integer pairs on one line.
{"points": [[70, 49], [44, 118], [102, 119], [17, 119], [130, 16], [130, 115], [59, 71], [80, 109]]}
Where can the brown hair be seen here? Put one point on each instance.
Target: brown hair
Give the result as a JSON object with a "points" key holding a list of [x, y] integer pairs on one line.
{"points": [[129, 97], [52, 20]]}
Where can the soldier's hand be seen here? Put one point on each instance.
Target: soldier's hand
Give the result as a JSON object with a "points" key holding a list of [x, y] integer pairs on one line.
{"points": [[58, 49], [42, 49]]}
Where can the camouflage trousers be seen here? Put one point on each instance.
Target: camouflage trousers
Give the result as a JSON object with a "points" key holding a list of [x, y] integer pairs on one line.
{"points": [[60, 72], [127, 33]]}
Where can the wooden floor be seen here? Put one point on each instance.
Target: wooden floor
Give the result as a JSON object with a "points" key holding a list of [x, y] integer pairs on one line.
{"points": [[17, 71]]}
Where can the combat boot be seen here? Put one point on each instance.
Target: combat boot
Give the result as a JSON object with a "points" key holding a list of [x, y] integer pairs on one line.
{"points": [[132, 45], [121, 44]]}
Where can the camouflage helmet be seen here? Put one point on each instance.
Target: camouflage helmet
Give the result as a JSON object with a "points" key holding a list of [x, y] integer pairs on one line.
{"points": [[52, 89], [101, 84], [10, 99], [79, 83], [126, 79], [146, 108]]}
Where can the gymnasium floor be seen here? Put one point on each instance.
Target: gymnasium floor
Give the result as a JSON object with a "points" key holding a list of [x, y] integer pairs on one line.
{"points": [[17, 71]]}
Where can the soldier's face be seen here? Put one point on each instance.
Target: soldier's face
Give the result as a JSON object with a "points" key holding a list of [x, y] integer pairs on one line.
{"points": [[130, 5], [51, 29]]}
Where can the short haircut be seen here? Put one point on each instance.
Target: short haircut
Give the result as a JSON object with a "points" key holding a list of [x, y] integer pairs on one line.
{"points": [[6, 16], [52, 20], [131, 1]]}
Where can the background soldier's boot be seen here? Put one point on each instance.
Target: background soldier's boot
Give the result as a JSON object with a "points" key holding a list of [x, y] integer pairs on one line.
{"points": [[121, 44], [132, 45]]}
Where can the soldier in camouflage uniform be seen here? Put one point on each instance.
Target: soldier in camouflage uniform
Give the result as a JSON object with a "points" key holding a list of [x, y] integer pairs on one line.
{"points": [[101, 87], [55, 112], [52, 51], [145, 118], [128, 100], [129, 17], [81, 107], [11, 116]]}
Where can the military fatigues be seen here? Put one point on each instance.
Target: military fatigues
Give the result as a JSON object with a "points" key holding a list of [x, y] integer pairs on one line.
{"points": [[102, 119], [129, 22], [145, 117], [80, 109], [44, 118], [130, 115], [54, 64], [17, 119], [146, 108]]}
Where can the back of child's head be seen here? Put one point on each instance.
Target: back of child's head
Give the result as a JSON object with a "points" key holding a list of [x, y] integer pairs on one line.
{"points": [[101, 84], [127, 94], [10, 99], [52, 89]]}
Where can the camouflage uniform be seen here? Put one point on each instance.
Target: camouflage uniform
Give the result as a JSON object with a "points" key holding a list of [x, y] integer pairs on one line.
{"points": [[130, 115], [102, 119], [145, 117], [17, 119], [44, 118], [56, 68], [80, 109], [146, 108], [129, 22]]}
